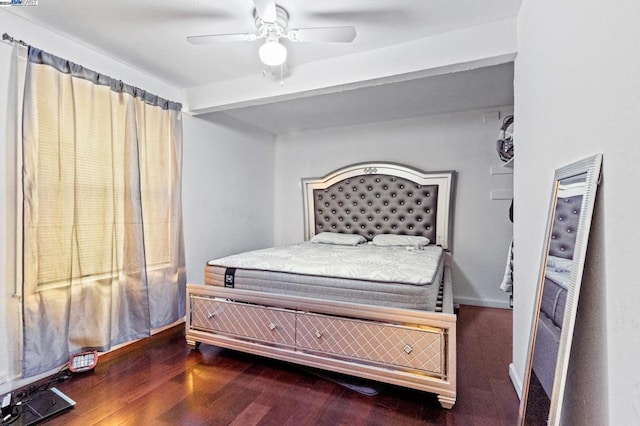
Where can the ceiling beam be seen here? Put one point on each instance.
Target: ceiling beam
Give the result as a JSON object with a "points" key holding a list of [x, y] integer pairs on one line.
{"points": [[465, 49]]}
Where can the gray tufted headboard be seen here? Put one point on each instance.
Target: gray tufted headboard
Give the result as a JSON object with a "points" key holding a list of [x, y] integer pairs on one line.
{"points": [[565, 226], [378, 198]]}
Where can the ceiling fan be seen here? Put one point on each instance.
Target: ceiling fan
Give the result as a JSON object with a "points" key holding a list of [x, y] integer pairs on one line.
{"points": [[271, 21]]}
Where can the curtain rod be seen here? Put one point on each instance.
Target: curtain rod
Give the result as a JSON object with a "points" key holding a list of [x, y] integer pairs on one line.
{"points": [[7, 37]]}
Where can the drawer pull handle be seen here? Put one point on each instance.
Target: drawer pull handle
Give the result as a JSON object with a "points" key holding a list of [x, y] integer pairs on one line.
{"points": [[210, 315], [272, 326], [408, 349], [318, 334]]}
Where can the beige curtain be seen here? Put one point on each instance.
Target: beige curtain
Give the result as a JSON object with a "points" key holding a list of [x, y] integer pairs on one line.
{"points": [[103, 252]]}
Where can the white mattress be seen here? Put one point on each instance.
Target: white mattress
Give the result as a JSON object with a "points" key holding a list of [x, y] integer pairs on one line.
{"points": [[364, 262], [387, 276]]}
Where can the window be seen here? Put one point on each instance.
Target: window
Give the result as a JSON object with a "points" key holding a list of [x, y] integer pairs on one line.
{"points": [[86, 187]]}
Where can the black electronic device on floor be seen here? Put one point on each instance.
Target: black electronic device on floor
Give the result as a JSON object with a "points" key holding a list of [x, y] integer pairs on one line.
{"points": [[43, 406]]}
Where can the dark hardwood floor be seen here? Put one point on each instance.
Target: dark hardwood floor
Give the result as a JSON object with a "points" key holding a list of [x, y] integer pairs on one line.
{"points": [[161, 381]]}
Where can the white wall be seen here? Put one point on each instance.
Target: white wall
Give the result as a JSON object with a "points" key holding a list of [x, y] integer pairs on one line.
{"points": [[227, 192], [462, 141], [577, 91]]}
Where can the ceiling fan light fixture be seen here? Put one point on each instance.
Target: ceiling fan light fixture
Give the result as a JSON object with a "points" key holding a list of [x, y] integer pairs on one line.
{"points": [[272, 53]]}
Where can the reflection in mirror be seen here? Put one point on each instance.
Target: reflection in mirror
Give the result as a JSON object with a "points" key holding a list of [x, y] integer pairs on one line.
{"points": [[558, 287], [557, 272]]}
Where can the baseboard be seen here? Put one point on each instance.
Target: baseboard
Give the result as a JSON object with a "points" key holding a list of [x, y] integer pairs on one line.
{"points": [[494, 303], [153, 333], [516, 380]]}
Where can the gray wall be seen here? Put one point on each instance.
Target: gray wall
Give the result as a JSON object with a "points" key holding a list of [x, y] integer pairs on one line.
{"points": [[463, 141], [577, 93]]}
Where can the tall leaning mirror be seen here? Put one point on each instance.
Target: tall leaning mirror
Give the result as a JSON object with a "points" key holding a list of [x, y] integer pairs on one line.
{"points": [[563, 256]]}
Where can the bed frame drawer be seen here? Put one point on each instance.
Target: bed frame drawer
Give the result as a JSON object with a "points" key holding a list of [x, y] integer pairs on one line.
{"points": [[256, 322], [404, 347], [409, 347]]}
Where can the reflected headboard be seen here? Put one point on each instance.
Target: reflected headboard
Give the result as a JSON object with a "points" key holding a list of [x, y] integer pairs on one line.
{"points": [[566, 219], [380, 198], [565, 226]]}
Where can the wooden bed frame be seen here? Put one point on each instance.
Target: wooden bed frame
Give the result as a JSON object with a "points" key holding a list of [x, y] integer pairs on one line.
{"points": [[406, 347]]}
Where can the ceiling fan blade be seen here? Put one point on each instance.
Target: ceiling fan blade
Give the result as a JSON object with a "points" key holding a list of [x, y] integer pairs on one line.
{"points": [[323, 34], [214, 38], [266, 9]]}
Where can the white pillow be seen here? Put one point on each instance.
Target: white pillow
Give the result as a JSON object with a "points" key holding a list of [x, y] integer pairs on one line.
{"points": [[339, 239], [391, 240], [559, 264]]}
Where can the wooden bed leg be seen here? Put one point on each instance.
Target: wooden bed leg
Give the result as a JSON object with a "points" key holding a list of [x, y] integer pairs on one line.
{"points": [[194, 345], [446, 401]]}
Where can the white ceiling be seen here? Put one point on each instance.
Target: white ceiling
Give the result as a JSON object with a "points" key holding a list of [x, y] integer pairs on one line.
{"points": [[461, 91], [150, 35]]}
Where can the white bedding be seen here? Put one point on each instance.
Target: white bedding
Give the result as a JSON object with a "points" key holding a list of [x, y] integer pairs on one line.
{"points": [[363, 262], [559, 270]]}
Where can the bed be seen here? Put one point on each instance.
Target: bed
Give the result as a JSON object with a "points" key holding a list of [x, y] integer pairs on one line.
{"points": [[362, 295]]}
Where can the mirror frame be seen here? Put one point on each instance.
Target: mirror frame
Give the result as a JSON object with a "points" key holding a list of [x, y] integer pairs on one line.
{"points": [[591, 166]]}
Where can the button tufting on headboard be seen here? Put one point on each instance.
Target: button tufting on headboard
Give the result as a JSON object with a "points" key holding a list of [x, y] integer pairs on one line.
{"points": [[382, 204], [563, 235], [377, 198]]}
